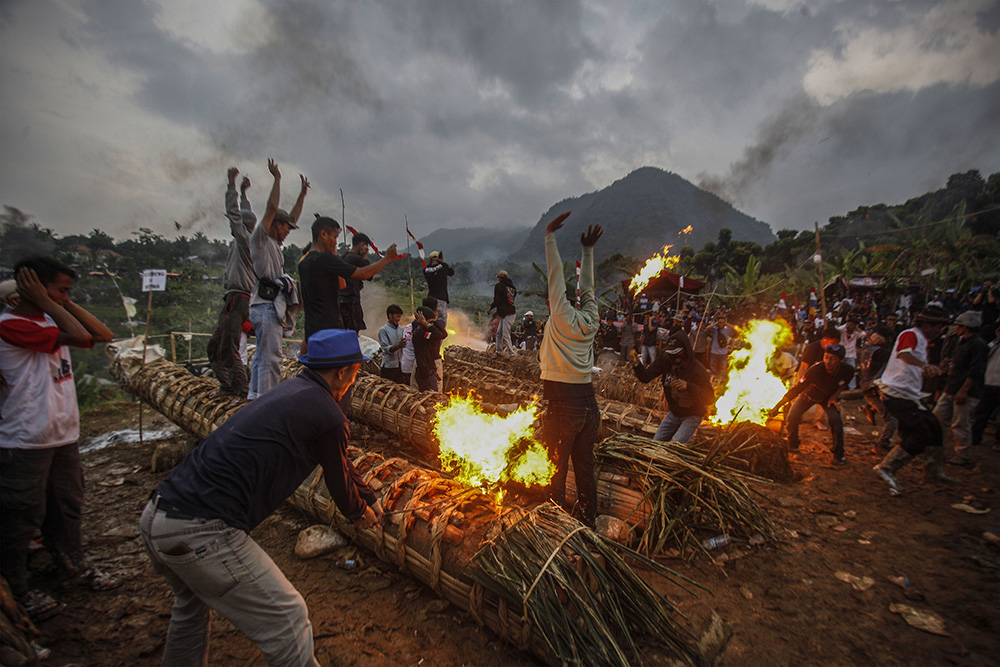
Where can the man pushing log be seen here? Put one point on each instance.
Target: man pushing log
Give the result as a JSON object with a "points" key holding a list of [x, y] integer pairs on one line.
{"points": [[196, 525]]}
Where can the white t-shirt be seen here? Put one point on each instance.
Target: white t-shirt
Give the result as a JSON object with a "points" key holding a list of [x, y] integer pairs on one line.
{"points": [[408, 357], [900, 379], [38, 406]]}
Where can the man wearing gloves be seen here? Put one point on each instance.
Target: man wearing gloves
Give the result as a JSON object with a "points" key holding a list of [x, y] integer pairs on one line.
{"points": [[567, 359]]}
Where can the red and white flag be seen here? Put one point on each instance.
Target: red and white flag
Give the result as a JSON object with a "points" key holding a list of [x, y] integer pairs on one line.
{"points": [[420, 246], [354, 232]]}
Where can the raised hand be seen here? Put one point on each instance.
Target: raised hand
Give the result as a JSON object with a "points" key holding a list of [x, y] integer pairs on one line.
{"points": [[590, 237], [233, 171], [557, 222], [391, 254], [245, 185], [272, 167], [305, 182]]}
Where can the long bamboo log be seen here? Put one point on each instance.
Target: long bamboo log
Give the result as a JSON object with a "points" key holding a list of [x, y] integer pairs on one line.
{"points": [[435, 525], [615, 385]]}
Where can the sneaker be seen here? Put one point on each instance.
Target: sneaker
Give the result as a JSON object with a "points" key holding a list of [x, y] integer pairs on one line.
{"points": [[839, 460], [39, 605], [820, 426], [889, 479], [92, 578]]}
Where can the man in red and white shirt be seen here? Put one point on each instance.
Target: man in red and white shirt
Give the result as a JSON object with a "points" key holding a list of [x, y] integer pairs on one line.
{"points": [[40, 477], [901, 388]]}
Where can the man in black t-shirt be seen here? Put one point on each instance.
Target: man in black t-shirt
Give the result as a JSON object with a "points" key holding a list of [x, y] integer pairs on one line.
{"points": [[320, 275], [821, 385], [436, 274], [350, 295]]}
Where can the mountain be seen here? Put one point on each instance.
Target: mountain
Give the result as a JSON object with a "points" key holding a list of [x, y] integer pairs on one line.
{"points": [[473, 244], [643, 212]]}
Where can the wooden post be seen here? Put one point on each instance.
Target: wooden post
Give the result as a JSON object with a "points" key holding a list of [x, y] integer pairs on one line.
{"points": [[190, 340], [822, 290], [173, 347], [145, 342]]}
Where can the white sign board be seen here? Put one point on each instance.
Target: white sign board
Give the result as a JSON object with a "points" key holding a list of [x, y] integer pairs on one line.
{"points": [[154, 280]]}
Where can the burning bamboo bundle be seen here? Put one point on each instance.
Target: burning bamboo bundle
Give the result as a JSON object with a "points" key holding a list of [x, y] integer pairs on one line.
{"points": [[434, 529]]}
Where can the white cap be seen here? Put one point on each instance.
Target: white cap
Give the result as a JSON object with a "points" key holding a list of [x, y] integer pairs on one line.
{"points": [[529, 313]]}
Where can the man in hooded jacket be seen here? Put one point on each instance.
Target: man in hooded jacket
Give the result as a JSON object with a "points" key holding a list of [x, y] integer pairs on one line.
{"points": [[687, 386]]}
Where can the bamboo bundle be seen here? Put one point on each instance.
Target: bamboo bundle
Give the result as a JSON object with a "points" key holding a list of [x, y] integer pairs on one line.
{"points": [[761, 451], [524, 365], [437, 531], [434, 528], [684, 490], [616, 385]]}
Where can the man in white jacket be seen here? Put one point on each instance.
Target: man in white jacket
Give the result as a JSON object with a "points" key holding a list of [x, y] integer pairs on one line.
{"points": [[572, 419]]}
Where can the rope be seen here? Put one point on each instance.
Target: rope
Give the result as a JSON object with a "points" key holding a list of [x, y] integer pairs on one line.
{"points": [[524, 600]]}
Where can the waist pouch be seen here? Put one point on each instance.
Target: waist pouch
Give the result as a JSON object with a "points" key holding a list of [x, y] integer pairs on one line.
{"points": [[268, 289]]}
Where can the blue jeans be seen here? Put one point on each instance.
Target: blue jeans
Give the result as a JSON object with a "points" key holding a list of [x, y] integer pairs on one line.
{"points": [[266, 370], [803, 403], [209, 564], [647, 354], [571, 427], [678, 429]]}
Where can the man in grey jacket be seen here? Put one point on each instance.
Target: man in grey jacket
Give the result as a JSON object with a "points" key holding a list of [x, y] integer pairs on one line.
{"points": [[572, 418], [224, 345]]}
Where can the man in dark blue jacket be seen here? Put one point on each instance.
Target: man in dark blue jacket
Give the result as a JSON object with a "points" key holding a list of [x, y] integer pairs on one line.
{"points": [[196, 525]]}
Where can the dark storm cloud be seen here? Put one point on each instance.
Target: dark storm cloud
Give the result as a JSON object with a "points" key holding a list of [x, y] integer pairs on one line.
{"points": [[531, 47]]}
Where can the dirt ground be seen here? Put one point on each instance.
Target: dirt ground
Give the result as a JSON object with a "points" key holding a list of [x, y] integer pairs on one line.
{"points": [[781, 601]]}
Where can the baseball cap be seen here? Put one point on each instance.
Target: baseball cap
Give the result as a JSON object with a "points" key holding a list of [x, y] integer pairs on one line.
{"points": [[836, 350]]}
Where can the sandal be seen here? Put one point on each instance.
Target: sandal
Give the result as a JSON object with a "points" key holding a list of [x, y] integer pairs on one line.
{"points": [[92, 578], [40, 606]]}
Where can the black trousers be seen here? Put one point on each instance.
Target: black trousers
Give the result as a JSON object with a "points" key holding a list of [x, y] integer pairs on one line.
{"points": [[571, 426], [40, 489], [918, 429], [988, 402]]}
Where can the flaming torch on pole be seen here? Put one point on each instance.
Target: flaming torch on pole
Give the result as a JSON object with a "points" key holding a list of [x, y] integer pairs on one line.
{"points": [[653, 267]]}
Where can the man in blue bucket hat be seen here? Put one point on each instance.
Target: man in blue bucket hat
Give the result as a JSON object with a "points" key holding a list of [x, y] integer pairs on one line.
{"points": [[196, 525]]}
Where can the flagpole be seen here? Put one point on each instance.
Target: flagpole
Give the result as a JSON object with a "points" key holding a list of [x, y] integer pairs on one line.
{"points": [[409, 261], [343, 215]]}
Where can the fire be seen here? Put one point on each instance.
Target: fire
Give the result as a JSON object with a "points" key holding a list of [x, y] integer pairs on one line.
{"points": [[486, 450], [752, 390], [654, 266], [686, 230]]}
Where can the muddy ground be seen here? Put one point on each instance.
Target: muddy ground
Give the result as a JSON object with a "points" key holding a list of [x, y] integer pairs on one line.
{"points": [[781, 601]]}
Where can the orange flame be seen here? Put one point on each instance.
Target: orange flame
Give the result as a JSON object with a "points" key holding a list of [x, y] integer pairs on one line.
{"points": [[654, 266], [486, 450], [752, 389], [686, 230]]}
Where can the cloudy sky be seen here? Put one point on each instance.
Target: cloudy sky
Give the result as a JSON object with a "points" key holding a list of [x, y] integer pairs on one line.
{"points": [[125, 114]]}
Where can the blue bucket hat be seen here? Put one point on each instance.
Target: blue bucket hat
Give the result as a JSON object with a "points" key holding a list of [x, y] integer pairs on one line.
{"points": [[836, 350], [333, 348]]}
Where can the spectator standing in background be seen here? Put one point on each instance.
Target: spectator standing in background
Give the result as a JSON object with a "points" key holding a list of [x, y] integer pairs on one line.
{"points": [[351, 311], [227, 339], [268, 265], [991, 392], [390, 339], [436, 274], [963, 387], [649, 332], [850, 334], [504, 294]]}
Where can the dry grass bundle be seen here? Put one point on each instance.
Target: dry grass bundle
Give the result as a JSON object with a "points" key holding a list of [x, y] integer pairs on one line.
{"points": [[688, 494], [575, 588], [621, 385], [751, 447]]}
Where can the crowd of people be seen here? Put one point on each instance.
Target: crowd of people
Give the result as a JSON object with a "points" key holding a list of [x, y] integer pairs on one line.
{"points": [[927, 366]]}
